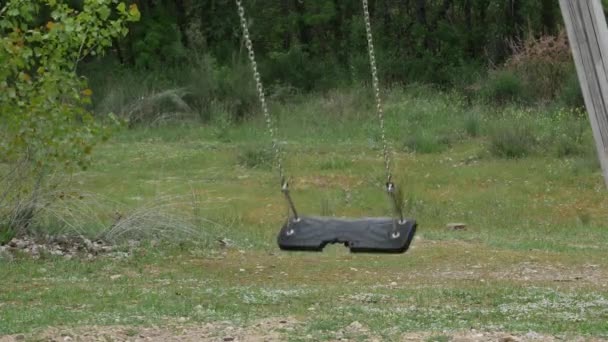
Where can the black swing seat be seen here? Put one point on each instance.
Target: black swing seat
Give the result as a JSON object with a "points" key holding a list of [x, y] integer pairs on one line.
{"points": [[367, 235]]}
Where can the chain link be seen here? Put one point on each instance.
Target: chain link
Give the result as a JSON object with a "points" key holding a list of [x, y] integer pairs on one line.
{"points": [[376, 85], [260, 89]]}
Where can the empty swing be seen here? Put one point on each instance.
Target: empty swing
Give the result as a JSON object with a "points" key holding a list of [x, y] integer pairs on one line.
{"points": [[309, 233]]}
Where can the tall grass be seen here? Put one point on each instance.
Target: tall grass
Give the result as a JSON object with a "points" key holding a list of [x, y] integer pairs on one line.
{"points": [[199, 89]]}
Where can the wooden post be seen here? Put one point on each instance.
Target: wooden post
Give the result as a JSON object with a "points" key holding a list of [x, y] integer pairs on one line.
{"points": [[588, 36]]}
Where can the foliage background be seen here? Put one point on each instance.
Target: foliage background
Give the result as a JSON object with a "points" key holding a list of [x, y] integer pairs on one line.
{"points": [[320, 44]]}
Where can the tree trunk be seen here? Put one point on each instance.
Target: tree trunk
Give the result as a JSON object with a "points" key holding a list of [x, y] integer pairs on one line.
{"points": [[548, 17], [421, 12], [303, 29], [182, 21], [468, 21], [422, 21], [515, 20]]}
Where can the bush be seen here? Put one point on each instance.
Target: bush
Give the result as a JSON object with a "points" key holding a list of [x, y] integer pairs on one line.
{"points": [[543, 65], [237, 91], [512, 140], [45, 123], [503, 86]]}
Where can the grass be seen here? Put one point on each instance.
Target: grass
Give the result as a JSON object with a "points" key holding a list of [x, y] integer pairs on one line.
{"points": [[531, 258]]}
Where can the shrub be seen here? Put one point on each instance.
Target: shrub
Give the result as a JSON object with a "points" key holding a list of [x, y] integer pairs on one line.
{"points": [[512, 140], [503, 86], [237, 90], [543, 64], [45, 123]]}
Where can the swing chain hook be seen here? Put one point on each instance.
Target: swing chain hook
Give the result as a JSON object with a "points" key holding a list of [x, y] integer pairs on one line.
{"points": [[391, 189], [292, 206]]}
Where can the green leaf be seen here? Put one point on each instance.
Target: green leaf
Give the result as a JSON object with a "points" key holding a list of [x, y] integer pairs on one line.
{"points": [[104, 13], [122, 8]]}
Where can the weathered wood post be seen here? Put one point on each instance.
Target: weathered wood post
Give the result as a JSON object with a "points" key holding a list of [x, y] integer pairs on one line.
{"points": [[588, 36]]}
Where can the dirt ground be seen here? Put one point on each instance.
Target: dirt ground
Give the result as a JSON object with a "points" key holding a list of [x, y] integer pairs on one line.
{"points": [[268, 330]]}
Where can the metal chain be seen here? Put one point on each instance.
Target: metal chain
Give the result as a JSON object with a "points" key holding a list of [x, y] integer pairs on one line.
{"points": [[376, 85], [390, 186], [268, 118], [260, 88]]}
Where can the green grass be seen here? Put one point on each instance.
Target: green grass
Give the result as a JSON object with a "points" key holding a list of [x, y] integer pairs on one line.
{"points": [[532, 257]]}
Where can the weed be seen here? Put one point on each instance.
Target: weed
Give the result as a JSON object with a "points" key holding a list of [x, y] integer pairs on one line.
{"points": [[472, 125], [584, 217], [335, 164], [254, 158], [222, 122], [426, 142], [131, 332], [567, 145], [588, 162], [512, 140], [7, 233]]}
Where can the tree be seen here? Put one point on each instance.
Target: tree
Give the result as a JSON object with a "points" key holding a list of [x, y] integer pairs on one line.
{"points": [[44, 121]]}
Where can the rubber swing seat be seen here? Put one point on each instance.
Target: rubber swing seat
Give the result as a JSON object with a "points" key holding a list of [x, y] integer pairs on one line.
{"points": [[365, 235]]}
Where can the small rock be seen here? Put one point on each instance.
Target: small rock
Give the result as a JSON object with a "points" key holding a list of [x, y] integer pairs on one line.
{"points": [[57, 252], [61, 239], [533, 336], [21, 244], [241, 270], [107, 249], [225, 242], [67, 338], [115, 276], [456, 226], [355, 327], [228, 338], [508, 339], [20, 337], [394, 283]]}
